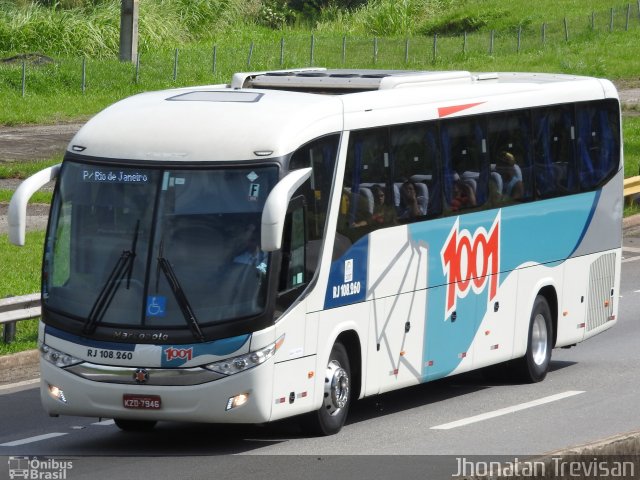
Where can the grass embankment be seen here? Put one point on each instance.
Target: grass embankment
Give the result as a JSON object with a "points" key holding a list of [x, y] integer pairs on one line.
{"points": [[20, 274], [245, 39], [20, 267], [22, 170]]}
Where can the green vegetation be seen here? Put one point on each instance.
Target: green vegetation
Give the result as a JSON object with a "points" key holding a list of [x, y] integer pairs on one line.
{"points": [[247, 35], [20, 274], [26, 338], [26, 169], [631, 133], [90, 27], [38, 197], [631, 209], [20, 267], [21, 170]]}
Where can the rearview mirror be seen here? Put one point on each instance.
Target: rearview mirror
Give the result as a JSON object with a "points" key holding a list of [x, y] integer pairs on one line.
{"points": [[275, 209], [17, 214]]}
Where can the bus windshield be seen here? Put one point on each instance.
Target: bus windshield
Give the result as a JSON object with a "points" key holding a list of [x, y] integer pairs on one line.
{"points": [[155, 247]]}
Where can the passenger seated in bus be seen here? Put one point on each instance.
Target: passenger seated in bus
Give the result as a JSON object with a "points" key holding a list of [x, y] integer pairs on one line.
{"points": [[512, 186], [383, 213], [354, 211], [463, 196], [411, 205]]}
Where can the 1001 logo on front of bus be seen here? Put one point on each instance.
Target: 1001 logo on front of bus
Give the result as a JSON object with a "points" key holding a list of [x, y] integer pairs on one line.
{"points": [[470, 262]]}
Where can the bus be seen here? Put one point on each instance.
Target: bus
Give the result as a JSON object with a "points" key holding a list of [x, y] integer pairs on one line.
{"points": [[293, 241]]}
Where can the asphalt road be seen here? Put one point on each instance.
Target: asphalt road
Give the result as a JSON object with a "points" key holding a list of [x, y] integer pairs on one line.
{"points": [[591, 392]]}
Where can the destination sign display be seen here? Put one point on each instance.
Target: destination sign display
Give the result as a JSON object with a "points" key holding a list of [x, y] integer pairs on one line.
{"points": [[113, 176]]}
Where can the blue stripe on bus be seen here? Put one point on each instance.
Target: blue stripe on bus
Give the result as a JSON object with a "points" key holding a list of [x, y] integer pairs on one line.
{"points": [[542, 232], [588, 222]]}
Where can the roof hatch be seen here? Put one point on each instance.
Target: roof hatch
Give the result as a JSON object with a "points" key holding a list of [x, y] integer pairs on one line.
{"points": [[217, 96]]}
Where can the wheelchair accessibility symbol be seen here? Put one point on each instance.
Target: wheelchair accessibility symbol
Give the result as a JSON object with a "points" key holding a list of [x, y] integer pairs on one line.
{"points": [[156, 306]]}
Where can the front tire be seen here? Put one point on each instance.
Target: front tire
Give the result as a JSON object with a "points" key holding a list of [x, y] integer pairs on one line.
{"points": [[533, 367], [330, 417]]}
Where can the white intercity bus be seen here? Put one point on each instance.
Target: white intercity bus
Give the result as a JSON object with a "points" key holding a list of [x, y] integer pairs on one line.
{"points": [[297, 240]]}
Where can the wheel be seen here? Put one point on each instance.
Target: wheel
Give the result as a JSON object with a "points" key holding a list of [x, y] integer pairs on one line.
{"points": [[135, 425], [330, 417], [533, 367]]}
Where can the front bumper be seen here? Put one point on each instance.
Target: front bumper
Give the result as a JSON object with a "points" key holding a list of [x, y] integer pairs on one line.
{"points": [[205, 402]]}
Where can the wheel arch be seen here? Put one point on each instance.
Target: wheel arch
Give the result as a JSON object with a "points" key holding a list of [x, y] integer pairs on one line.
{"points": [[351, 341], [550, 294]]}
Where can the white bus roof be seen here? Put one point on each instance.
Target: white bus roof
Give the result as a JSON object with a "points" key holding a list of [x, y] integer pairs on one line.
{"points": [[272, 113]]}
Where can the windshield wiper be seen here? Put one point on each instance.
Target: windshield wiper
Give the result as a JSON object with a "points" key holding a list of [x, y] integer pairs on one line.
{"points": [[181, 298], [122, 268]]}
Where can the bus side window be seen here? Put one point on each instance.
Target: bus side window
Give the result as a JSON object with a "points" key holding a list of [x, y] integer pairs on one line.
{"points": [[319, 154], [465, 164], [366, 173], [294, 270], [554, 164], [597, 145], [510, 138], [414, 157]]}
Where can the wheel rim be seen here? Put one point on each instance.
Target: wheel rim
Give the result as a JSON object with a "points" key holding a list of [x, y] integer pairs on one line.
{"points": [[336, 388], [539, 343]]}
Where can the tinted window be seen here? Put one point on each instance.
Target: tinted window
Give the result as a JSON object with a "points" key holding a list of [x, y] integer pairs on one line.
{"points": [[598, 147], [415, 157], [465, 163], [555, 169], [511, 170], [478, 162]]}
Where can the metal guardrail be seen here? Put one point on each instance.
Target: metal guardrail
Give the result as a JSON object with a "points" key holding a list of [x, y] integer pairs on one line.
{"points": [[631, 186], [14, 309]]}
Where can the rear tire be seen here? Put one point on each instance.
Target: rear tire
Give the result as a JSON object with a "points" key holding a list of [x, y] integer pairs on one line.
{"points": [[533, 367], [135, 425], [330, 417]]}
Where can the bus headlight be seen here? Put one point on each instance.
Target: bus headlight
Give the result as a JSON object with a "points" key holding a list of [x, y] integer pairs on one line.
{"points": [[234, 365], [58, 358]]}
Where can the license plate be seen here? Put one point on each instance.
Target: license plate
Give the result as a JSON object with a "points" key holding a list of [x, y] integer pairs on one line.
{"points": [[141, 402]]}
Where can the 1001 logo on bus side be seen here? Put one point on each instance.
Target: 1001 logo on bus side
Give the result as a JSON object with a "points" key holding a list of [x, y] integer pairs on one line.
{"points": [[470, 262]]}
